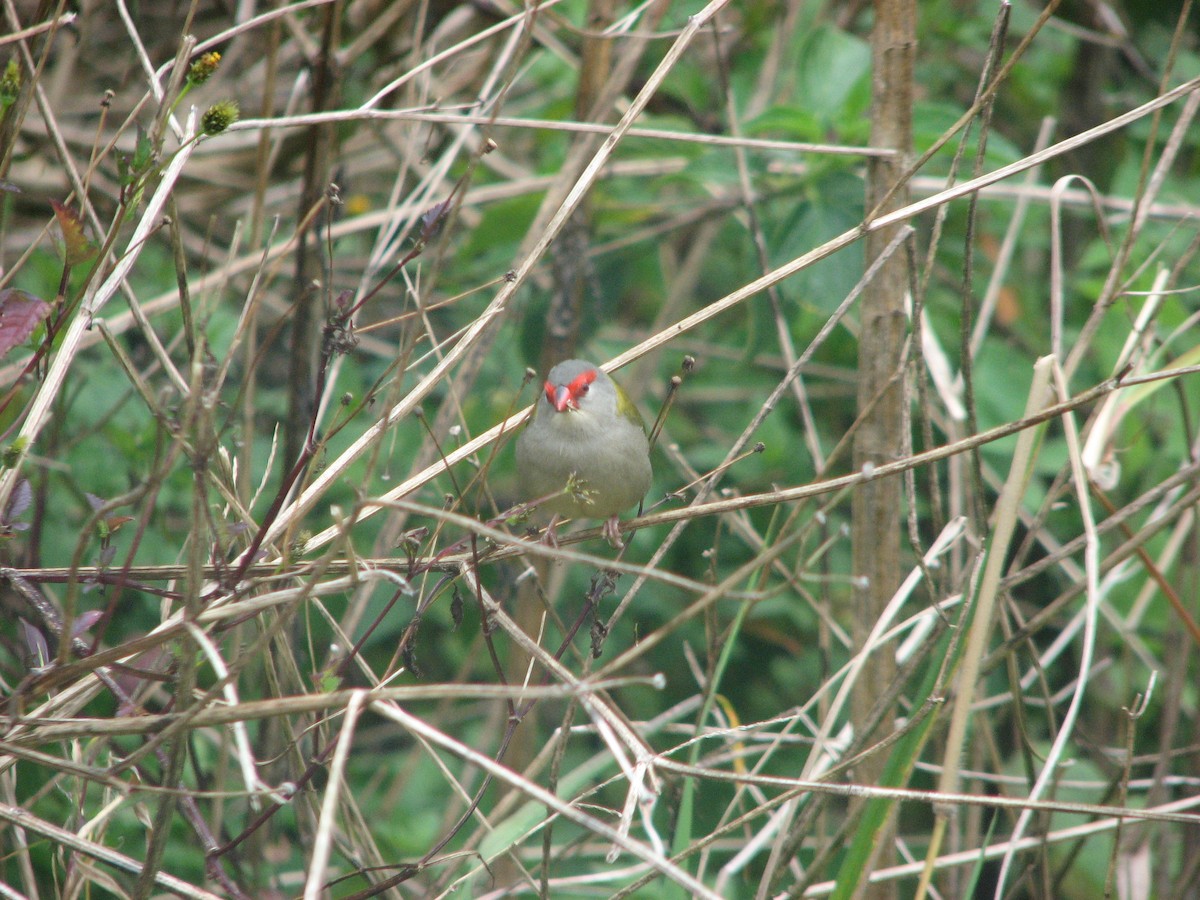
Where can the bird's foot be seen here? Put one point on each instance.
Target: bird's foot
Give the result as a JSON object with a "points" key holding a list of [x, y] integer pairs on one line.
{"points": [[612, 533]]}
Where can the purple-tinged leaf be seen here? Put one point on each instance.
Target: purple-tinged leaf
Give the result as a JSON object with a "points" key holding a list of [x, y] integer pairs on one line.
{"points": [[84, 621], [431, 221], [22, 496], [152, 666], [20, 314], [35, 643]]}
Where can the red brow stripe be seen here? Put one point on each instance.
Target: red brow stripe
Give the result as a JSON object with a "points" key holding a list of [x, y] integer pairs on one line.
{"points": [[581, 381]]}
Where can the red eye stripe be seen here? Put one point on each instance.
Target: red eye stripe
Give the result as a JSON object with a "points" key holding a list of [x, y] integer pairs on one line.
{"points": [[579, 386]]}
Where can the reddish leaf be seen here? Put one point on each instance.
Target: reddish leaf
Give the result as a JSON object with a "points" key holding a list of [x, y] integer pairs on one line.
{"points": [[113, 523], [20, 313], [76, 247]]}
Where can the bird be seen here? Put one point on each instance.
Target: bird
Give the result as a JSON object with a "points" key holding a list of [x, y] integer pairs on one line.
{"points": [[584, 451]]}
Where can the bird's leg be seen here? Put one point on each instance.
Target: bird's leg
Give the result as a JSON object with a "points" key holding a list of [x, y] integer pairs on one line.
{"points": [[612, 533]]}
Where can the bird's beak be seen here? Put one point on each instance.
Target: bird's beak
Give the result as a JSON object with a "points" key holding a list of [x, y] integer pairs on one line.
{"points": [[562, 398]]}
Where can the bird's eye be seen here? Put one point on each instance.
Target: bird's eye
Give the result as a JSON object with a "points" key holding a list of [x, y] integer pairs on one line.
{"points": [[579, 386]]}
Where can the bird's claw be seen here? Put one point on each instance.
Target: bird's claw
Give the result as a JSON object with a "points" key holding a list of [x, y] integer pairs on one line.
{"points": [[612, 533]]}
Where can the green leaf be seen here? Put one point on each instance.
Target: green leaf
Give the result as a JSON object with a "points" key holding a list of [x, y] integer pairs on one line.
{"points": [[834, 74]]}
